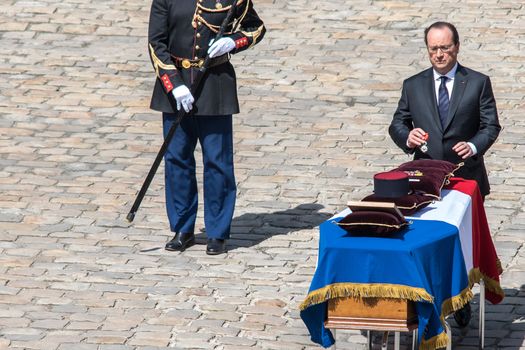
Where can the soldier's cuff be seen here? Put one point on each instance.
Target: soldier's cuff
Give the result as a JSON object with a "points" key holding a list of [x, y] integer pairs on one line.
{"points": [[241, 41], [166, 82], [170, 80]]}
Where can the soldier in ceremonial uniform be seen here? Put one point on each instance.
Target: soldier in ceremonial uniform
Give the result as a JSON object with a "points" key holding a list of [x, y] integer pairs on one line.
{"points": [[181, 34]]}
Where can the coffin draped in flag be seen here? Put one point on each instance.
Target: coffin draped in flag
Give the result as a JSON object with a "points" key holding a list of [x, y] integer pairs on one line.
{"points": [[434, 262]]}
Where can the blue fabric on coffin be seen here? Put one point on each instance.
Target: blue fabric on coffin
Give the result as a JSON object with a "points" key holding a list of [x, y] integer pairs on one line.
{"points": [[423, 259]]}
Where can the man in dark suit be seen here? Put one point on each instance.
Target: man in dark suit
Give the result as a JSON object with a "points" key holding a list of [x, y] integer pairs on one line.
{"points": [[448, 112], [181, 34], [450, 107]]}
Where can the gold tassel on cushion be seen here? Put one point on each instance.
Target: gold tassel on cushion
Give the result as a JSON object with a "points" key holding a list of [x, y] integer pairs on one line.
{"points": [[365, 290]]}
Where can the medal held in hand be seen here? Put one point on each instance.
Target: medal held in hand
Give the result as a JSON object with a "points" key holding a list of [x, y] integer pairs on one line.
{"points": [[424, 147]]}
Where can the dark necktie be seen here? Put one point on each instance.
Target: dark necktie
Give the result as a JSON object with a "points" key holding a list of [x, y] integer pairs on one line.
{"points": [[443, 101]]}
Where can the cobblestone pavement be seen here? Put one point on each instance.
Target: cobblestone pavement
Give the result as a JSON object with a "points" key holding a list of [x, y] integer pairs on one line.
{"points": [[77, 139]]}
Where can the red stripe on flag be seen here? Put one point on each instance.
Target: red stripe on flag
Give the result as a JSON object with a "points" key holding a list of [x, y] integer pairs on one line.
{"points": [[484, 253]]}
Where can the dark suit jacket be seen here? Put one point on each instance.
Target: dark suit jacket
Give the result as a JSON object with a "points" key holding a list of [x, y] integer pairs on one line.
{"points": [[184, 29], [473, 117]]}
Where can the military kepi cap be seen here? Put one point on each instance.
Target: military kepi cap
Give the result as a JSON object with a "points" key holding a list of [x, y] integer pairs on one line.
{"points": [[391, 184]]}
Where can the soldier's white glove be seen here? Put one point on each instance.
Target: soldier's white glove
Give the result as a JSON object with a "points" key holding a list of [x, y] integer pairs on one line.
{"points": [[221, 47], [183, 97]]}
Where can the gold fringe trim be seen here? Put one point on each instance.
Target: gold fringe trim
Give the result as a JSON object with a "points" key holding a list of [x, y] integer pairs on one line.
{"points": [[500, 268], [436, 342], [456, 302], [449, 306], [365, 290], [475, 275]]}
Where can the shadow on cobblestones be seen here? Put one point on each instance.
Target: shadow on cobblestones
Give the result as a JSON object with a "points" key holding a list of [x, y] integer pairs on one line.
{"points": [[250, 229]]}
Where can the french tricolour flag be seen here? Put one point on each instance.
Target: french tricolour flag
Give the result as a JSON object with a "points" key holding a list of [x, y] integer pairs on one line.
{"points": [[462, 206]]}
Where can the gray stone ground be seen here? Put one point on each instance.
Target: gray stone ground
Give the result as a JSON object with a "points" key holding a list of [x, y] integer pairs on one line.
{"points": [[77, 139]]}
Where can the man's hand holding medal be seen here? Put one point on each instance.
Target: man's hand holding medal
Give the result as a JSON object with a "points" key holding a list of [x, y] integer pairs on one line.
{"points": [[418, 138]]}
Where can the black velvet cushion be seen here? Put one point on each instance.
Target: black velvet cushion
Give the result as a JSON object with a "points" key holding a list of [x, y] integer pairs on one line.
{"points": [[407, 204], [371, 222]]}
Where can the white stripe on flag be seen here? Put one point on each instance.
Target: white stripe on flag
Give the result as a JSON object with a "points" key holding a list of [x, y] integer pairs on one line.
{"points": [[454, 208]]}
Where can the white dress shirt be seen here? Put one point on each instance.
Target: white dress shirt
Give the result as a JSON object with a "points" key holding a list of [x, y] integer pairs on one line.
{"points": [[450, 85], [450, 81]]}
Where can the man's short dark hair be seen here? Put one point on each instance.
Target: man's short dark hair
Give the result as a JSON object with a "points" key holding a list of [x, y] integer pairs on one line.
{"points": [[441, 25]]}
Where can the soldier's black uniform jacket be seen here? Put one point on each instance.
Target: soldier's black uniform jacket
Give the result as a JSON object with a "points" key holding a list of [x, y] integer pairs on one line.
{"points": [[179, 35]]}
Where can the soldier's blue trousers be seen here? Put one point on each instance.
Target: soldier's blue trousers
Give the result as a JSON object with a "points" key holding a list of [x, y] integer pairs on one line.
{"points": [[214, 134]]}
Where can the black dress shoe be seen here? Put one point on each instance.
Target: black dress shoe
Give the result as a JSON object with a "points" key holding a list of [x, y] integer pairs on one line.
{"points": [[180, 242], [215, 246], [463, 316]]}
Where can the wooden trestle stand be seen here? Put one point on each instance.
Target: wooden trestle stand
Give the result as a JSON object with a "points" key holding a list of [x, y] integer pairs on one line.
{"points": [[373, 314]]}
